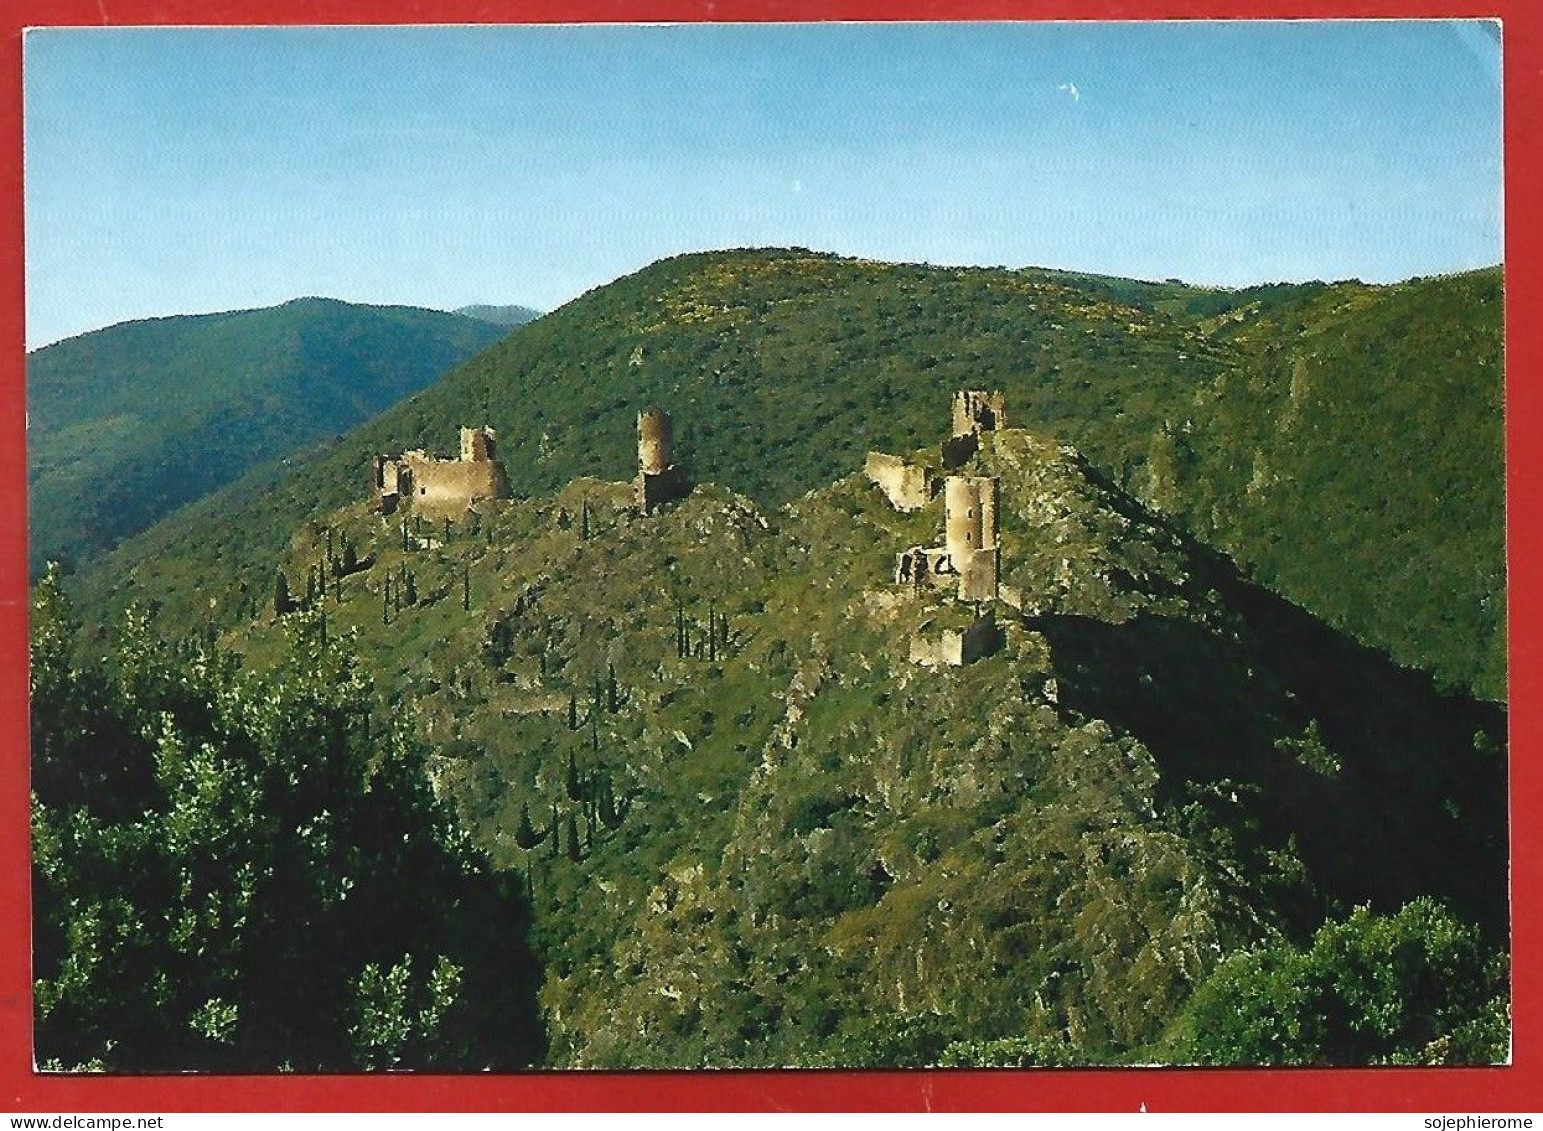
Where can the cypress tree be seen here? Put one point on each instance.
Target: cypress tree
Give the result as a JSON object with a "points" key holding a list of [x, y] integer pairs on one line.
{"points": [[575, 853], [575, 789], [446, 538], [556, 846], [412, 589], [712, 633], [607, 804], [584, 522], [282, 601], [612, 693], [385, 602], [310, 587], [573, 711], [466, 587], [525, 834]]}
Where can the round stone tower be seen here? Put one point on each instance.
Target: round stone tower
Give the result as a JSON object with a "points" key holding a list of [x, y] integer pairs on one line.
{"points": [[962, 522], [656, 441]]}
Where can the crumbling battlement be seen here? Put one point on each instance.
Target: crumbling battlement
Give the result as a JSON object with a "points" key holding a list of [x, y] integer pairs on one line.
{"points": [[977, 411], [956, 647], [431, 482], [925, 565], [907, 486], [659, 478]]}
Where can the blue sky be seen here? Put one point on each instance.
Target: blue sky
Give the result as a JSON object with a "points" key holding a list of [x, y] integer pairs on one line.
{"points": [[185, 170]]}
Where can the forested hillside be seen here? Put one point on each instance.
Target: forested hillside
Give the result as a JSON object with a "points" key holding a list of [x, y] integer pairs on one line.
{"points": [[1343, 442], [126, 424]]}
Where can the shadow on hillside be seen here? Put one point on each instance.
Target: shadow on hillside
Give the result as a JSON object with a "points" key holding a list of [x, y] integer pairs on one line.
{"points": [[1417, 804]]}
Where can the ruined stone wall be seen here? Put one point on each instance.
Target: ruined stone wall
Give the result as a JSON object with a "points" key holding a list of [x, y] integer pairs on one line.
{"points": [[956, 647], [981, 639], [656, 441], [959, 450], [908, 486], [444, 483]]}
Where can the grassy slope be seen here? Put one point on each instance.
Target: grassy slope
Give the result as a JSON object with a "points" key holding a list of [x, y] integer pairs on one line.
{"points": [[128, 423], [822, 858], [1372, 496]]}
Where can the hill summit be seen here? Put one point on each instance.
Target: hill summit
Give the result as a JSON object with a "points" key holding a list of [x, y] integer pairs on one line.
{"points": [[763, 820]]}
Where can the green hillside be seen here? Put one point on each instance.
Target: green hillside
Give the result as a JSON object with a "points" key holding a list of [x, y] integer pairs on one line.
{"points": [[129, 423], [1372, 495], [755, 833]]}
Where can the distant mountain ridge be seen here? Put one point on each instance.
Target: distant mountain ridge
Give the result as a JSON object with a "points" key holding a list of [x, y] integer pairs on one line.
{"points": [[127, 423], [499, 315]]}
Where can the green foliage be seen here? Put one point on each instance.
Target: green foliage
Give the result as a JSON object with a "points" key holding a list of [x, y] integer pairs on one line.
{"points": [[806, 850], [1416, 987], [1325, 436], [282, 889], [799, 847], [128, 423]]}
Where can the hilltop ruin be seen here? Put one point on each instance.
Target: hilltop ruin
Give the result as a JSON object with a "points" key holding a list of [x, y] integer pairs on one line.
{"points": [[969, 560], [435, 483]]}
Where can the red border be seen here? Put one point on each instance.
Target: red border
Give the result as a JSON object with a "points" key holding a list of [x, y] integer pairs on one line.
{"points": [[1516, 1088]]}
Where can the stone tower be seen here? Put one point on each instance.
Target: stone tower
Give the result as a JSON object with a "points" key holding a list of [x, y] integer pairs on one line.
{"points": [[977, 411], [659, 478], [656, 441], [970, 534]]}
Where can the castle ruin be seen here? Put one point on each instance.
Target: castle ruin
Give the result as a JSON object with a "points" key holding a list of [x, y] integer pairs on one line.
{"points": [[660, 479], [974, 411], [434, 483], [956, 646], [907, 486]]}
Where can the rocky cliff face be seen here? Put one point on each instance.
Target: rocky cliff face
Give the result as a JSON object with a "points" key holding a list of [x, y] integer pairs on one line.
{"points": [[755, 833]]}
